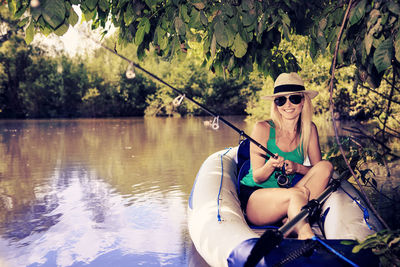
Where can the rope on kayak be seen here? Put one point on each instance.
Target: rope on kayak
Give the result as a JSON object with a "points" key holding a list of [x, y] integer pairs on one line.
{"points": [[331, 249], [220, 185], [364, 209]]}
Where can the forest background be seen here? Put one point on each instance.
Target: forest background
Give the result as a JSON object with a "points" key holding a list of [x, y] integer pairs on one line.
{"points": [[224, 54], [42, 81]]}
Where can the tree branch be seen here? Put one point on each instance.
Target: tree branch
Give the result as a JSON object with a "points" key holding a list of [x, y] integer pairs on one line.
{"points": [[331, 107], [380, 94], [389, 104]]}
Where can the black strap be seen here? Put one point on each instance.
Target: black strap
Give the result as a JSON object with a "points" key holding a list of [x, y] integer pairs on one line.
{"points": [[268, 241]]}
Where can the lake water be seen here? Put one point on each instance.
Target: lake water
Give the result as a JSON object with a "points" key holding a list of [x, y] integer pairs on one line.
{"points": [[101, 192]]}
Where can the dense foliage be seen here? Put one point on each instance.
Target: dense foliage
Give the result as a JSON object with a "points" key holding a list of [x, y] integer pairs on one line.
{"points": [[236, 33], [37, 84]]}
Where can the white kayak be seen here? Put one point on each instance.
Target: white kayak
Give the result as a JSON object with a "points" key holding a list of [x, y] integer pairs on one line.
{"points": [[219, 230]]}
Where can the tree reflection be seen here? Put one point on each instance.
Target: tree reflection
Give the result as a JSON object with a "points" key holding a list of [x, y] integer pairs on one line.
{"points": [[83, 188]]}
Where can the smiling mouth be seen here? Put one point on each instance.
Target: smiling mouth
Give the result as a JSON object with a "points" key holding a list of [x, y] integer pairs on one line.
{"points": [[289, 110]]}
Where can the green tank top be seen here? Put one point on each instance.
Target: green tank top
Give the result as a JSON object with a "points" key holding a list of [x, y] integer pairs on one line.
{"points": [[294, 156]]}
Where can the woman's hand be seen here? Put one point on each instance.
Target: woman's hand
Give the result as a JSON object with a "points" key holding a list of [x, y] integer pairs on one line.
{"points": [[290, 167], [276, 162]]}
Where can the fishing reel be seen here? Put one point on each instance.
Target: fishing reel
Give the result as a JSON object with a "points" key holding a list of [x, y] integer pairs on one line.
{"points": [[282, 180]]}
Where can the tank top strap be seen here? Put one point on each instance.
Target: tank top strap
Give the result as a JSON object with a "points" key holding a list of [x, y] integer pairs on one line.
{"points": [[271, 130]]}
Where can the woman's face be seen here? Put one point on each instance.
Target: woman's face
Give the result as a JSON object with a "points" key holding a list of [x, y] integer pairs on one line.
{"points": [[289, 110]]}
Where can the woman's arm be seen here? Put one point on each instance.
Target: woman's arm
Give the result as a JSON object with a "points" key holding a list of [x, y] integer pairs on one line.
{"points": [[262, 170], [314, 150]]}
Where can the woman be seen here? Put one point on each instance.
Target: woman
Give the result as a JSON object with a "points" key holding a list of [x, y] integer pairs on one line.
{"points": [[292, 137]]}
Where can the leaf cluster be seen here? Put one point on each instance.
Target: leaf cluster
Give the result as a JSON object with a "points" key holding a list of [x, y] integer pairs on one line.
{"points": [[234, 34], [371, 38], [385, 244], [358, 154]]}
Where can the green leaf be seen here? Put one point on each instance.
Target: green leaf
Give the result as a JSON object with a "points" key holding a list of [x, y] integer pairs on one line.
{"points": [[248, 18], [61, 30], [20, 12], [53, 12], [184, 13], [230, 31], [129, 15], [146, 24], [368, 42], [163, 42], [29, 33], [357, 13], [239, 46], [195, 19], [213, 46], [179, 26], [348, 242], [88, 15], [73, 17], [394, 241], [285, 18], [36, 13], [150, 3], [46, 31], [203, 18], [227, 9], [397, 47], [383, 55], [322, 23], [12, 7], [199, 5], [23, 22], [103, 4], [91, 4], [220, 34], [393, 7], [139, 36]]}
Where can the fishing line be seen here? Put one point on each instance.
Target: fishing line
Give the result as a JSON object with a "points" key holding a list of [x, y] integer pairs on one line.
{"points": [[217, 118]]}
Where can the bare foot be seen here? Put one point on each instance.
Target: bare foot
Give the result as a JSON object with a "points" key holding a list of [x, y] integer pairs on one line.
{"points": [[305, 232]]}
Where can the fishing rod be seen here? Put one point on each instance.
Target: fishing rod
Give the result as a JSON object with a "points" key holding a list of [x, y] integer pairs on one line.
{"points": [[181, 96], [269, 239]]}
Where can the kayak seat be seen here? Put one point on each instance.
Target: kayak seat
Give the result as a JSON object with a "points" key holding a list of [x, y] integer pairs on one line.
{"points": [[243, 153], [243, 161], [244, 169]]}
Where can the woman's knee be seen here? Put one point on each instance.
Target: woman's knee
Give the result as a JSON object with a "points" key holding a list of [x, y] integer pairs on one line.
{"points": [[300, 192], [324, 168]]}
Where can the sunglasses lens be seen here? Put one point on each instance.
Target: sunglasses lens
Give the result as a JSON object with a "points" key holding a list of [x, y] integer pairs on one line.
{"points": [[295, 99], [280, 101]]}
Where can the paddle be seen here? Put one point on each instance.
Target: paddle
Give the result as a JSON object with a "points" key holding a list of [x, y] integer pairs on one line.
{"points": [[272, 238]]}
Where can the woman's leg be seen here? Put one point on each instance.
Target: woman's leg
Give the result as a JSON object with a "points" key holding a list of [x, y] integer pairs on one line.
{"points": [[269, 205], [317, 178]]}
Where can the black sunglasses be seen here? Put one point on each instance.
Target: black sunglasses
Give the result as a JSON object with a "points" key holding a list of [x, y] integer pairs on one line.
{"points": [[295, 99]]}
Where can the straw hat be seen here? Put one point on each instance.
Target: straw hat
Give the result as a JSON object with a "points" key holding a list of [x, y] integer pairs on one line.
{"points": [[289, 83]]}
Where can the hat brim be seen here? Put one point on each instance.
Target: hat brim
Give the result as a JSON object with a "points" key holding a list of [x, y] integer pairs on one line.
{"points": [[310, 93]]}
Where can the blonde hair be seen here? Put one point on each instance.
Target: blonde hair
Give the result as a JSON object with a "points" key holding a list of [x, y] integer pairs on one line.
{"points": [[303, 124]]}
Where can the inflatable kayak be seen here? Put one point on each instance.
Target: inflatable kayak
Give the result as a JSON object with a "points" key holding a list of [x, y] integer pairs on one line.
{"points": [[222, 236]]}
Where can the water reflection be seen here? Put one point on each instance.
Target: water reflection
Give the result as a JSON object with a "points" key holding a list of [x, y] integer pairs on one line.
{"points": [[101, 192], [78, 192]]}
